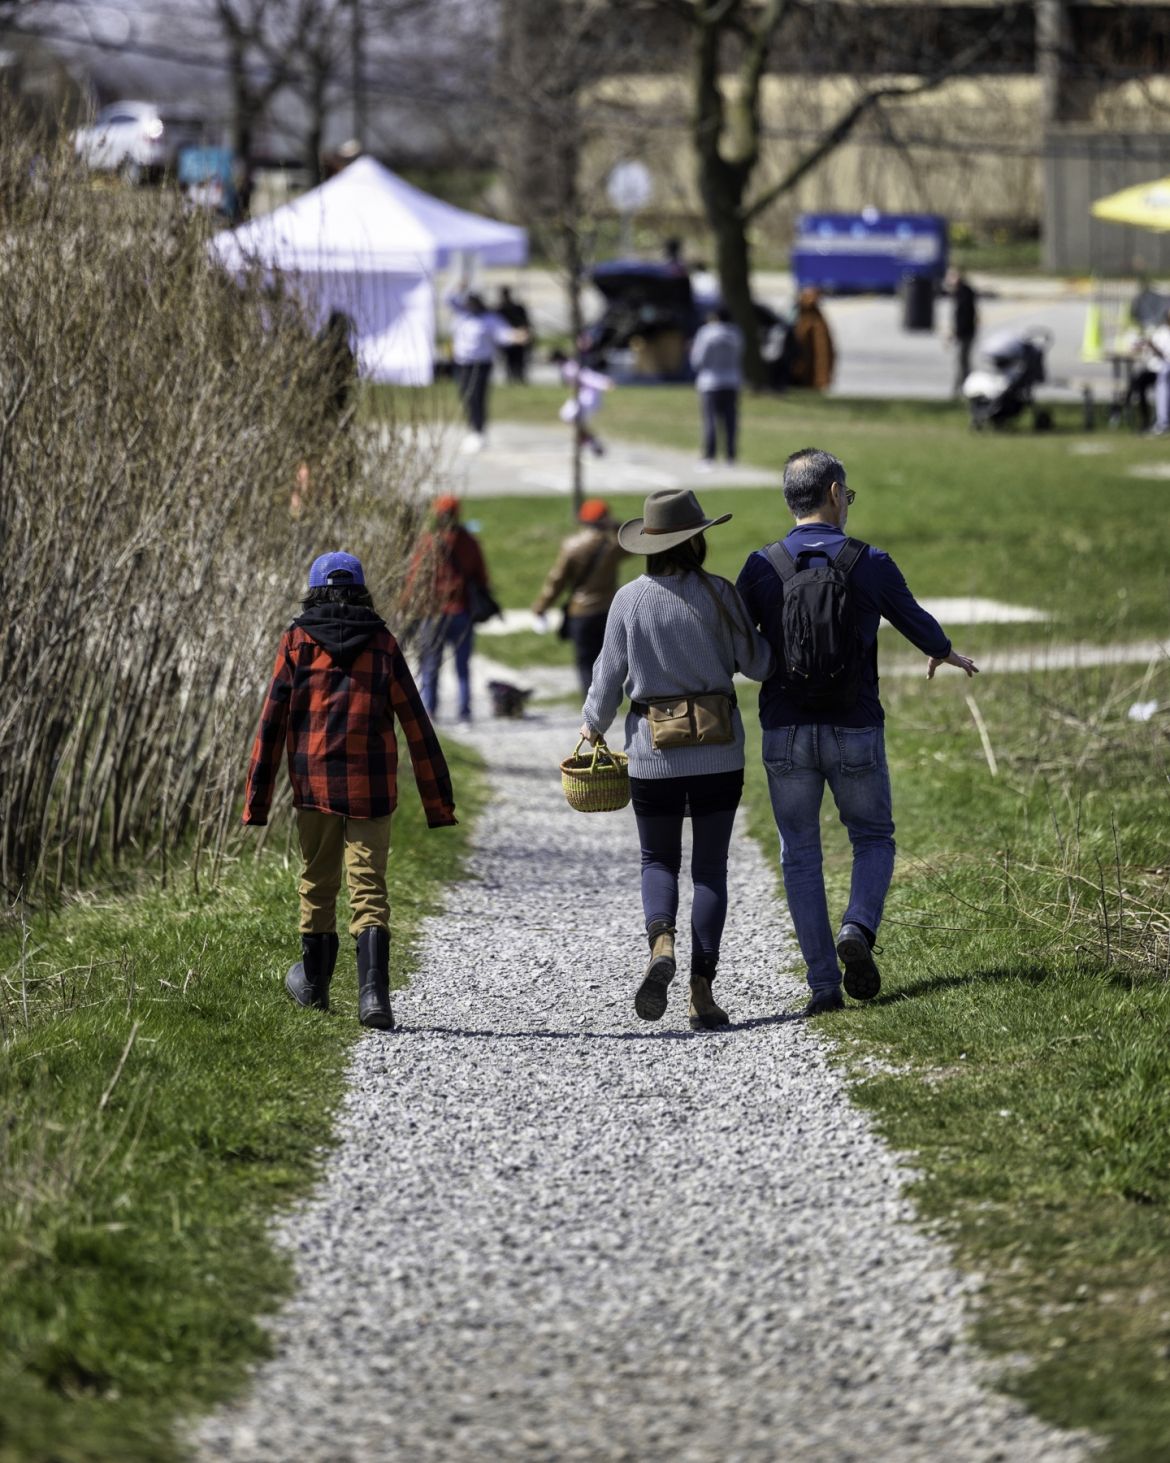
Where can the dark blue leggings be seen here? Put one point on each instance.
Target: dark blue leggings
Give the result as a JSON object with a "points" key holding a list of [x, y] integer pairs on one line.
{"points": [[660, 807]]}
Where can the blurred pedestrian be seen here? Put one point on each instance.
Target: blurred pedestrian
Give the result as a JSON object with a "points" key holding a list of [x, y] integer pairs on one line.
{"points": [[519, 345], [446, 570], [340, 680], [586, 573], [476, 334], [338, 366], [588, 387], [814, 356], [964, 324], [672, 255], [1158, 343], [676, 637], [717, 361], [336, 370]]}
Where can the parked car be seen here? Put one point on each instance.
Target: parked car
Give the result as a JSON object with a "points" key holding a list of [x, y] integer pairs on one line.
{"points": [[652, 313], [138, 139]]}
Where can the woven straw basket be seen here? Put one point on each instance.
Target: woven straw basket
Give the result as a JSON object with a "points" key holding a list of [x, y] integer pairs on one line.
{"points": [[599, 781]]}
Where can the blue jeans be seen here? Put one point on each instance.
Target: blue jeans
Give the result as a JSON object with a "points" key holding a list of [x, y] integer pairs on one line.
{"points": [[852, 760], [437, 633]]}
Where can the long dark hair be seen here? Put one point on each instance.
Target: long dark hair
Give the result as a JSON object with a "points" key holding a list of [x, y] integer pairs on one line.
{"points": [[684, 558], [688, 558], [338, 594]]}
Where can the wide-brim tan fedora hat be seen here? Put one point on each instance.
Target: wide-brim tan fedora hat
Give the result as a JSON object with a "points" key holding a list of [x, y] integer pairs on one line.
{"points": [[669, 517]]}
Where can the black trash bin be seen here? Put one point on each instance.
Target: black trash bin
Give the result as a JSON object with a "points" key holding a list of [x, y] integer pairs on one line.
{"points": [[917, 302]]}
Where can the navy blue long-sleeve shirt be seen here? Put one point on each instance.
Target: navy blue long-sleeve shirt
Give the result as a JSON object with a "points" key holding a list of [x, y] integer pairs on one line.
{"points": [[878, 590]]}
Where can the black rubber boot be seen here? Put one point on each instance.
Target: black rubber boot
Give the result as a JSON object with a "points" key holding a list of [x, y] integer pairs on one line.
{"points": [[308, 980], [373, 967], [650, 998], [704, 1013]]}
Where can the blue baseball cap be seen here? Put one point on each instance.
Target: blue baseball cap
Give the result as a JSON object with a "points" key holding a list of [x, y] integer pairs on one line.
{"points": [[335, 568]]}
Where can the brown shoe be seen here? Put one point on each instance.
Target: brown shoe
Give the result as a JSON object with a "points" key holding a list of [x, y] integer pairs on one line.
{"points": [[650, 1000], [703, 1012]]}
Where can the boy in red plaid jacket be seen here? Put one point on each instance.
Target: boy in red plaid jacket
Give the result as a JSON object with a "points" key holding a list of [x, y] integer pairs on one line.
{"points": [[340, 680]]}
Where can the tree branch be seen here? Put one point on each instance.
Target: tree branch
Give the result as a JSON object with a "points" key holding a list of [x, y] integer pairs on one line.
{"points": [[747, 106], [845, 124]]}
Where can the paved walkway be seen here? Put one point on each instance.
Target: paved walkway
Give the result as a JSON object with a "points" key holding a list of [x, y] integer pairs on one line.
{"points": [[534, 461]]}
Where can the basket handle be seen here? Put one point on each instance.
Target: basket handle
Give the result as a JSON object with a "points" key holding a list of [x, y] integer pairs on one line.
{"points": [[598, 747]]}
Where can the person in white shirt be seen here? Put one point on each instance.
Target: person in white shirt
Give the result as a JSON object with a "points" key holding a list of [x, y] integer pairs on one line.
{"points": [[1159, 344], [476, 334], [717, 361]]}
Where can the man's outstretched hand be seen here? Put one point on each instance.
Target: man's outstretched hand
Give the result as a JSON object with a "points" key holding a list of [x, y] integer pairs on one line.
{"points": [[964, 663]]}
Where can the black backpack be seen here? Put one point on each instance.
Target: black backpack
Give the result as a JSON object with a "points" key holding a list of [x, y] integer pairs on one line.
{"points": [[823, 654]]}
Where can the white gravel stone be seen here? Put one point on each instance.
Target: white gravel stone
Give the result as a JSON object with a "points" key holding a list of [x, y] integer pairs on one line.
{"points": [[553, 1231]]}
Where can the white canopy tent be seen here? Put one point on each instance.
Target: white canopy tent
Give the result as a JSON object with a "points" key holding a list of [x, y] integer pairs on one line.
{"points": [[368, 243]]}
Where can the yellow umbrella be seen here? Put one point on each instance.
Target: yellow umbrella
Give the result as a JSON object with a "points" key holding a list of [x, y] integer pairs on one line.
{"points": [[1146, 207]]}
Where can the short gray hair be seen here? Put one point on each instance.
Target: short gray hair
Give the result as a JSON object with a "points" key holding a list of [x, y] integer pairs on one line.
{"points": [[808, 475]]}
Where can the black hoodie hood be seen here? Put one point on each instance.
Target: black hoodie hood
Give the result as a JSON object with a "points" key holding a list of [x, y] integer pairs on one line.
{"points": [[341, 629]]}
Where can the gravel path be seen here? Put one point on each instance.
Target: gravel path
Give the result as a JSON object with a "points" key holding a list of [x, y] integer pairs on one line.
{"points": [[552, 1231]]}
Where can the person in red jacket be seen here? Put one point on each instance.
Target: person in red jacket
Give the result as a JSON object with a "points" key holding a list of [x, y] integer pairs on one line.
{"points": [[446, 563], [340, 680]]}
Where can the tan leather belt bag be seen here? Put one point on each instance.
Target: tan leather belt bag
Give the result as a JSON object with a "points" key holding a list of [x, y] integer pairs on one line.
{"points": [[696, 720]]}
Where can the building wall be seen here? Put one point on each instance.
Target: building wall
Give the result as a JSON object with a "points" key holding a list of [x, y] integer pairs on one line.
{"points": [[1083, 165], [969, 150]]}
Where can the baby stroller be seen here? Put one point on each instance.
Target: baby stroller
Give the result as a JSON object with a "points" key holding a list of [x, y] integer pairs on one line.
{"points": [[1002, 390]]}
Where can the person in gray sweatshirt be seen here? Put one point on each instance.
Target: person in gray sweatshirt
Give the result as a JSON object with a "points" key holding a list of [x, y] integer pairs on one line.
{"points": [[674, 639], [717, 361]]}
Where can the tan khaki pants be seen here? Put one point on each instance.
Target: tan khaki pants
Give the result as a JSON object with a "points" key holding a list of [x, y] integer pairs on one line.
{"points": [[330, 842]]}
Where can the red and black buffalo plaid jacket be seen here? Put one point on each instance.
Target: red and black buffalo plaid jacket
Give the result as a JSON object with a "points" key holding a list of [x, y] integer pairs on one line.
{"points": [[340, 679]]}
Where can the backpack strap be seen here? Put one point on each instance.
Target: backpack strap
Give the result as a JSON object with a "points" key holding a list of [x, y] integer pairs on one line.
{"points": [[781, 560], [785, 566], [850, 552]]}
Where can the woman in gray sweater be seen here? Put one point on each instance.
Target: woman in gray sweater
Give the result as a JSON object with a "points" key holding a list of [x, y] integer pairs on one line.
{"points": [[674, 639]]}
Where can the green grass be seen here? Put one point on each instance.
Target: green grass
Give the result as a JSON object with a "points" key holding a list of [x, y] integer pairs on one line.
{"points": [[161, 1097], [1013, 515], [1022, 1030]]}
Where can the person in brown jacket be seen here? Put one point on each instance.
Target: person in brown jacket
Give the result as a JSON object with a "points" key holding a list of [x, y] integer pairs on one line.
{"points": [[814, 355], [587, 568]]}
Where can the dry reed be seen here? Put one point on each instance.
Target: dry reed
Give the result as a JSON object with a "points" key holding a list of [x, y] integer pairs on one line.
{"points": [[155, 418]]}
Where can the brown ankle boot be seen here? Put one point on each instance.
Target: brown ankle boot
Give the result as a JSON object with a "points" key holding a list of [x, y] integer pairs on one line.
{"points": [[650, 1000], [703, 1012]]}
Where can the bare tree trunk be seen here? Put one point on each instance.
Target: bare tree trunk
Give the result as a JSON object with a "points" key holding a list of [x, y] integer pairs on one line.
{"points": [[727, 130], [357, 44], [243, 118], [318, 86], [574, 274], [722, 184], [733, 259]]}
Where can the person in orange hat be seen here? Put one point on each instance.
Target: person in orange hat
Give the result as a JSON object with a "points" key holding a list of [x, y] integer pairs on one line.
{"points": [[446, 570], [586, 573]]}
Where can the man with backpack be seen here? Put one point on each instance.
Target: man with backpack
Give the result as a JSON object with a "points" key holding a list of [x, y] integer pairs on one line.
{"points": [[818, 598]]}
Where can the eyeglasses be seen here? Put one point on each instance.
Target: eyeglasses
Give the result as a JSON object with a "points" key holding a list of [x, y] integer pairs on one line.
{"points": [[849, 495]]}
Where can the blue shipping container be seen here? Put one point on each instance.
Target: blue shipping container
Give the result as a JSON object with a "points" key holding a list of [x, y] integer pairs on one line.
{"points": [[851, 252]]}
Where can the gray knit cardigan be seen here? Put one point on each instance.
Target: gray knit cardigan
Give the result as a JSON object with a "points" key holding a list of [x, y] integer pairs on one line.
{"points": [[664, 637]]}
